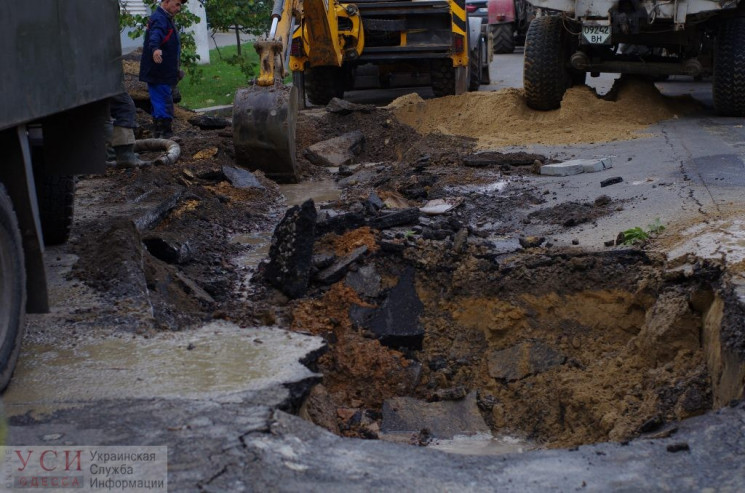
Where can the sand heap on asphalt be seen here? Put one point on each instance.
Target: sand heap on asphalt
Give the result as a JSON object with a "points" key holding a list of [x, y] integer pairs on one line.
{"points": [[502, 118]]}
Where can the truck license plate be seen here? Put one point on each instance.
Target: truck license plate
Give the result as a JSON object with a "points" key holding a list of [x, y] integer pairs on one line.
{"points": [[595, 34]]}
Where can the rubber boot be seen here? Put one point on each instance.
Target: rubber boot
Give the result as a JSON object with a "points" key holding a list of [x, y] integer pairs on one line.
{"points": [[126, 157], [166, 128], [157, 128]]}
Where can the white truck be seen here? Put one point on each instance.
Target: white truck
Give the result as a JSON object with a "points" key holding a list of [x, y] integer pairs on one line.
{"points": [[61, 62], [656, 38]]}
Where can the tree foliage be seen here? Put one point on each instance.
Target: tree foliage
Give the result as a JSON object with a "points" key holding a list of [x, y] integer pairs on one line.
{"points": [[250, 17], [240, 16]]}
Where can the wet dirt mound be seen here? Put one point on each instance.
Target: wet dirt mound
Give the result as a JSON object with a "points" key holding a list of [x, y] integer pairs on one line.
{"points": [[502, 118]]}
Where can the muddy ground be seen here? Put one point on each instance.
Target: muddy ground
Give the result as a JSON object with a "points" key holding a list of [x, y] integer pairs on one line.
{"points": [[562, 346]]}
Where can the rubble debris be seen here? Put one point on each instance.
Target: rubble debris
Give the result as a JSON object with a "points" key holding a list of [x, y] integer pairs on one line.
{"points": [[531, 241], [441, 206], [396, 321], [336, 271], [493, 158], [392, 219], [611, 181], [339, 151], [167, 247], [365, 281], [449, 394], [207, 153], [522, 360], [151, 216], [340, 223], [602, 200], [206, 122], [374, 202], [344, 107], [291, 252], [241, 178], [404, 416], [678, 447], [319, 408]]}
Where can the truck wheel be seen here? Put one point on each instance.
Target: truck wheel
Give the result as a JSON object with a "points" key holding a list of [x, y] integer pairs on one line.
{"points": [[729, 69], [12, 289], [323, 84], [475, 61], [486, 57], [442, 74], [545, 77], [504, 38], [56, 198]]}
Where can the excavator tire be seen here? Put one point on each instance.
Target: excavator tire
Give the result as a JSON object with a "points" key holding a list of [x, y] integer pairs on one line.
{"points": [[322, 84], [504, 38], [442, 74], [474, 68], [545, 77], [729, 69]]}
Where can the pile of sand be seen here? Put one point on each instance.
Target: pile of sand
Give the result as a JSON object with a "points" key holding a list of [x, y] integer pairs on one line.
{"points": [[503, 118]]}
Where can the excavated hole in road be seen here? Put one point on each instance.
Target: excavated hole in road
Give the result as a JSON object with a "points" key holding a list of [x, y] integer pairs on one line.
{"points": [[557, 349]]}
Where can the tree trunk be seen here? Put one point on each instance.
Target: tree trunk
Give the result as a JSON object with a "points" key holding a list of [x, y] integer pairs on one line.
{"points": [[238, 38]]}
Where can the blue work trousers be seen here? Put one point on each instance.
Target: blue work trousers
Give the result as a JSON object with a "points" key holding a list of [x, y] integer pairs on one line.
{"points": [[161, 97]]}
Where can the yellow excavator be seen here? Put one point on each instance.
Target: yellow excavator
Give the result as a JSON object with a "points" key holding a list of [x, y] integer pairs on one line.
{"points": [[331, 47]]}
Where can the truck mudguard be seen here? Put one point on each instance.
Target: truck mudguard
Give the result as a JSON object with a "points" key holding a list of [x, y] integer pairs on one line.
{"points": [[501, 11]]}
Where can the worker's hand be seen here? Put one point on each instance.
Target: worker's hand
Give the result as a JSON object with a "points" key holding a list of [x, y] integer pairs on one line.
{"points": [[158, 56]]}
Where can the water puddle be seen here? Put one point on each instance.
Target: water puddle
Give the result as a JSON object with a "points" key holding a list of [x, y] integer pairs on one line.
{"points": [[319, 191], [482, 444], [216, 362]]}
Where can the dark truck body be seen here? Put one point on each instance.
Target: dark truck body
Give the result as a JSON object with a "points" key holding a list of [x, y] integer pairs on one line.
{"points": [[60, 60]]}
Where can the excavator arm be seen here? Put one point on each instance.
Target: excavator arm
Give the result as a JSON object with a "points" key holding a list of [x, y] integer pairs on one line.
{"points": [[265, 113]]}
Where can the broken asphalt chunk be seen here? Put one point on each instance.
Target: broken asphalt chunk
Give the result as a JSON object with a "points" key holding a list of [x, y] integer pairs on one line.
{"points": [[168, 248], [339, 151], [336, 271], [393, 219], [611, 181], [365, 281], [150, 218], [241, 178], [291, 252], [396, 321], [340, 223], [344, 107], [206, 122]]}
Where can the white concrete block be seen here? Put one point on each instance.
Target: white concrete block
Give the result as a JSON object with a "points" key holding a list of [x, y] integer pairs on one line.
{"points": [[562, 169], [595, 165], [577, 166]]}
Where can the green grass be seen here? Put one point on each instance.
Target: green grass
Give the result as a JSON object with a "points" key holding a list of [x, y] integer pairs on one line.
{"points": [[217, 82]]}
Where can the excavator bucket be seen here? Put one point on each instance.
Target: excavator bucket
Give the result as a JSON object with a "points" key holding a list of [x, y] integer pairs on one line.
{"points": [[264, 120]]}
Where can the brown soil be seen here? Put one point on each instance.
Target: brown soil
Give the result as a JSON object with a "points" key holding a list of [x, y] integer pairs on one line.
{"points": [[502, 118]]}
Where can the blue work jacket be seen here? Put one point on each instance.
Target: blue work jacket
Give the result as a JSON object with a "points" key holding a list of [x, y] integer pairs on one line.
{"points": [[161, 34]]}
